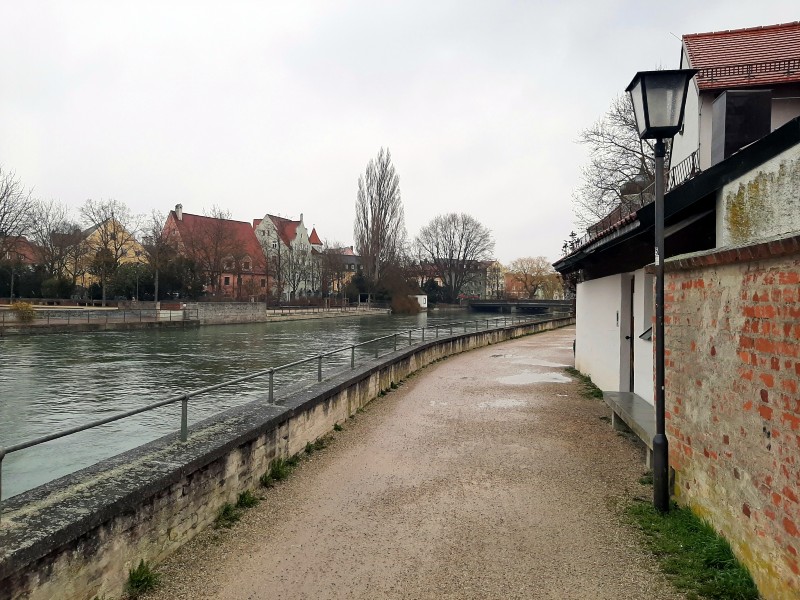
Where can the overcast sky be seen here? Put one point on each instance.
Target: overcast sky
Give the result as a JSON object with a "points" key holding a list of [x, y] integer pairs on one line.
{"points": [[276, 107]]}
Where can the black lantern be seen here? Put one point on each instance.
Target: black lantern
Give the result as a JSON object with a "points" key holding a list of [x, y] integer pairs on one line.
{"points": [[658, 100]]}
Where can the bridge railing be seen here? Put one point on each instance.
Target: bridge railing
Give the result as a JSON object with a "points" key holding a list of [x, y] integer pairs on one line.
{"points": [[377, 347]]}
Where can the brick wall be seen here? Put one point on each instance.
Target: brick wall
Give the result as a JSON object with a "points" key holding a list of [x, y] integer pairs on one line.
{"points": [[732, 331]]}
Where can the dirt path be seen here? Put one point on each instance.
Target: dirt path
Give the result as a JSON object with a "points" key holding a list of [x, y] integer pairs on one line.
{"points": [[484, 476]]}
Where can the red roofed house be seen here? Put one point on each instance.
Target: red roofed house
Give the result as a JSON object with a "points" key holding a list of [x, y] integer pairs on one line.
{"points": [[747, 86], [227, 251], [292, 255]]}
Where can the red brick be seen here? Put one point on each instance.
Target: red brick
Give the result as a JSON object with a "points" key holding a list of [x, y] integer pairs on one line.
{"points": [[765, 412], [768, 379], [793, 421], [790, 527], [789, 493]]}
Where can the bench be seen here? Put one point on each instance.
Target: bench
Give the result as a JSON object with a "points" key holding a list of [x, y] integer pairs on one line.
{"points": [[633, 413]]}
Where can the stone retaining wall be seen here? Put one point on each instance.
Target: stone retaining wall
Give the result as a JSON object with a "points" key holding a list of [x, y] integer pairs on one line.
{"points": [[77, 537], [217, 313]]}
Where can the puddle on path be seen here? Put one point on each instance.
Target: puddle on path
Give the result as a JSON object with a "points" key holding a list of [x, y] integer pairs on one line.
{"points": [[524, 378], [536, 362], [505, 403]]}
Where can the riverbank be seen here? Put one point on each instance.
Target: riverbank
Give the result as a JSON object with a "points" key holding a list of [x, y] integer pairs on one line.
{"points": [[79, 319]]}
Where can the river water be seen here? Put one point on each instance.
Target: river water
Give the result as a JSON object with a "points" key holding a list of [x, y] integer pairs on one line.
{"points": [[52, 382]]}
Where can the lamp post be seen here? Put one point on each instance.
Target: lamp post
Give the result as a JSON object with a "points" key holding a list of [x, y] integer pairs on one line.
{"points": [[659, 98]]}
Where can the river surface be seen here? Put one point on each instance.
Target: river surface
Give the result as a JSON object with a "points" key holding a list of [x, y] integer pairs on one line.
{"points": [[53, 382]]}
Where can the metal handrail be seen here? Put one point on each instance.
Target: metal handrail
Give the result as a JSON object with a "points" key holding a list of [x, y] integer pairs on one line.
{"points": [[184, 397]]}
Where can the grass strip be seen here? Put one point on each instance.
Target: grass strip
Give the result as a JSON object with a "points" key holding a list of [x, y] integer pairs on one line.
{"points": [[588, 389], [698, 561]]}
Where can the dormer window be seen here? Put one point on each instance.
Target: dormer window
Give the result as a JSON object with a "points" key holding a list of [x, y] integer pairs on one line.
{"points": [[247, 265]]}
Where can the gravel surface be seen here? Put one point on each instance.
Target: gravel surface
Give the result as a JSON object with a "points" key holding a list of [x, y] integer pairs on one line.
{"points": [[486, 475]]}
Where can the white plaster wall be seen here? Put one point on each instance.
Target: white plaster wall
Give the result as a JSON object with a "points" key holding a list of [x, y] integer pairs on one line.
{"points": [[762, 203], [688, 141], [598, 332], [643, 350], [705, 110]]}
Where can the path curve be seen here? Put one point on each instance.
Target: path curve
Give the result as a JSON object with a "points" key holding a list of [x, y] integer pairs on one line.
{"points": [[484, 476]]}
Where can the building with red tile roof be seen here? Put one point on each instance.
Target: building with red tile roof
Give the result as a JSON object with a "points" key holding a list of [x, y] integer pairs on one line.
{"points": [[226, 250], [747, 85]]}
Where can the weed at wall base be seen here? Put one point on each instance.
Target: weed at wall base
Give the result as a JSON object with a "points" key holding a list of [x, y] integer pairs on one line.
{"points": [[140, 580], [228, 515], [588, 389], [696, 559]]}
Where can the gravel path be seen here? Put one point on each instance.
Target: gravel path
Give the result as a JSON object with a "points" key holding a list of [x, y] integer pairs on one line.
{"points": [[484, 476]]}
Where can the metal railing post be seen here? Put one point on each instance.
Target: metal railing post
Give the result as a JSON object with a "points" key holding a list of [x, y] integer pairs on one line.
{"points": [[423, 334], [2, 456], [451, 329], [352, 357], [395, 342], [271, 379], [319, 368], [184, 418], [437, 332], [465, 327], [409, 337]]}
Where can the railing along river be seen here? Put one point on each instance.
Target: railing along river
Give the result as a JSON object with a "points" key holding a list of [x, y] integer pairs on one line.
{"points": [[379, 343]]}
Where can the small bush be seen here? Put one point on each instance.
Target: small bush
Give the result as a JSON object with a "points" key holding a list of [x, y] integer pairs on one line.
{"points": [[337, 427], [279, 470], [140, 580], [247, 500], [228, 515], [23, 311]]}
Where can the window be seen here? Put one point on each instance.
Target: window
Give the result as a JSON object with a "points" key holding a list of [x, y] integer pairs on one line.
{"points": [[274, 245], [247, 265], [227, 281], [263, 283]]}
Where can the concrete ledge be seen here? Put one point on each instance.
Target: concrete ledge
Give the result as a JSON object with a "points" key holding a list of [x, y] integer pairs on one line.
{"points": [[78, 536], [633, 413]]}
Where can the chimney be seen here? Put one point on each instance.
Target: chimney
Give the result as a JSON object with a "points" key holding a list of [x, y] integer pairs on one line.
{"points": [[301, 217], [179, 211]]}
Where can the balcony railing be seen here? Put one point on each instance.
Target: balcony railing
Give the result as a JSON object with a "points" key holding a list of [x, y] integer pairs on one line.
{"points": [[684, 171]]}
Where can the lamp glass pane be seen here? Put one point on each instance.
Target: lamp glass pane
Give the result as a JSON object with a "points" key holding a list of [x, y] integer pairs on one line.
{"points": [[638, 106], [664, 98]]}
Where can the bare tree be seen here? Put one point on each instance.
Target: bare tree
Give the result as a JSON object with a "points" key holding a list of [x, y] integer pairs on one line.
{"points": [[59, 240], [110, 238], [159, 246], [333, 269], [295, 267], [15, 208], [617, 157], [380, 232], [535, 275], [209, 242], [454, 244]]}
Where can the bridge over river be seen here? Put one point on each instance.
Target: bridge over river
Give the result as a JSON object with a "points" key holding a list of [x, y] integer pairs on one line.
{"points": [[530, 306]]}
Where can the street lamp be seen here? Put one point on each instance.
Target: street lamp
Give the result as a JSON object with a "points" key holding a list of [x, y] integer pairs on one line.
{"points": [[659, 98]]}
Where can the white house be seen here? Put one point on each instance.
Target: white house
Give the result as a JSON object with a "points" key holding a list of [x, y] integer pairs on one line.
{"points": [[291, 252]]}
